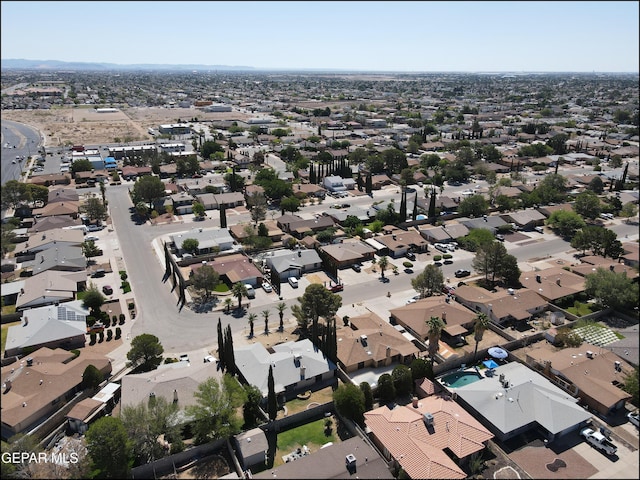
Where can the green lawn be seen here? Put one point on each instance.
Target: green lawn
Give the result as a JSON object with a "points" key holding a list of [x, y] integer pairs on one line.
{"points": [[309, 434], [582, 310], [221, 288]]}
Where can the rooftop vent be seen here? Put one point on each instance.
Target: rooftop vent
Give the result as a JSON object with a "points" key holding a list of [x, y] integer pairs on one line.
{"points": [[589, 354]]}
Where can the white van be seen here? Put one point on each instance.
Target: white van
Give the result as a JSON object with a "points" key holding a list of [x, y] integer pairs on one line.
{"points": [[293, 281], [251, 293]]}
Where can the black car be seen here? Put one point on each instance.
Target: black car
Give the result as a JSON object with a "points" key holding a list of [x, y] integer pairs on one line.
{"points": [[357, 267], [462, 273], [410, 256]]}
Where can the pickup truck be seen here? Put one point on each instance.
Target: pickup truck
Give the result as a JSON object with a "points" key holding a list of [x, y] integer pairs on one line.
{"points": [[599, 441]]}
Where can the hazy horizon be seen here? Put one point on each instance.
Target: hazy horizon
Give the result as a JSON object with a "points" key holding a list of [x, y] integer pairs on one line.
{"points": [[391, 37]]}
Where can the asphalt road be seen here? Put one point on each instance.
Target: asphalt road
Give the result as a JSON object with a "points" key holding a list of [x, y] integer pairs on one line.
{"points": [[26, 140], [186, 331]]}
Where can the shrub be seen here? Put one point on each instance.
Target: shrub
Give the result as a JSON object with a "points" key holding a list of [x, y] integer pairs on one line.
{"points": [[92, 336], [123, 275], [447, 256], [100, 337], [118, 332], [131, 306], [437, 258], [109, 335], [76, 353], [114, 321], [407, 264], [126, 288], [122, 318]]}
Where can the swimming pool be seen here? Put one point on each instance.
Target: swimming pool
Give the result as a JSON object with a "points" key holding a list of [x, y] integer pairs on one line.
{"points": [[460, 379]]}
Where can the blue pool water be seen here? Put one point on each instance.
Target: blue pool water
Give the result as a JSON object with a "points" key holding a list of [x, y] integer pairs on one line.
{"points": [[460, 379], [421, 217]]}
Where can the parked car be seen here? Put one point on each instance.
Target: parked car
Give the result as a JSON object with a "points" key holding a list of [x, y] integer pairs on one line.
{"points": [[210, 359], [184, 357], [107, 290], [293, 281], [634, 418], [500, 237], [357, 267], [91, 238], [410, 256], [251, 293], [462, 273], [94, 228], [336, 288], [266, 287]]}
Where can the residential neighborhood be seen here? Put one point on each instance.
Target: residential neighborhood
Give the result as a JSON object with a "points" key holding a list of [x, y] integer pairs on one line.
{"points": [[327, 276]]}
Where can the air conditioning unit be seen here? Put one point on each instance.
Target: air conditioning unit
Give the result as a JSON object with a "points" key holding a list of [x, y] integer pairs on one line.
{"points": [[428, 419]]}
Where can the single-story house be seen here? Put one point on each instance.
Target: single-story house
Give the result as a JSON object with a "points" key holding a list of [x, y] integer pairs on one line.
{"points": [[297, 367], [525, 219], [293, 263], [54, 326], [234, 268], [503, 306], [64, 258], [372, 342], [182, 203], [50, 288], [348, 253], [489, 222], [54, 377], [403, 241], [553, 283], [516, 399], [587, 372], [208, 239], [415, 437]]}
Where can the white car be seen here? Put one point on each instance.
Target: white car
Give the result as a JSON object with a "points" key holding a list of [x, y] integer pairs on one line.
{"points": [[210, 359], [91, 238], [634, 418], [266, 287]]}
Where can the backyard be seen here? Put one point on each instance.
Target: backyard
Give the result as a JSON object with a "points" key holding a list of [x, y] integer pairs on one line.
{"points": [[312, 435]]}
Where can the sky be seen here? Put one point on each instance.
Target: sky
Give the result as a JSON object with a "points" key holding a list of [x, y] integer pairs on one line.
{"points": [[503, 36]]}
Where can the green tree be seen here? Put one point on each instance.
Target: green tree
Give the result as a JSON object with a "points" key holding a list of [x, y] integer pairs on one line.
{"points": [[478, 237], [428, 282], [191, 246], [215, 413], [95, 209], [565, 222], [272, 399], [350, 402], [290, 204], [420, 368], [142, 209], [509, 271], [81, 165], [148, 188], [109, 448], [386, 390], [37, 193], [93, 300], [435, 325], [91, 377], [146, 352], [145, 422], [629, 210], [587, 205], [198, 209], [318, 302], [251, 409], [239, 290], [14, 193], [630, 385], [383, 263], [473, 206], [205, 278], [368, 396], [281, 307], [611, 289], [209, 148], [402, 381], [90, 249], [596, 185], [265, 315], [480, 325], [252, 319], [257, 204], [490, 261]]}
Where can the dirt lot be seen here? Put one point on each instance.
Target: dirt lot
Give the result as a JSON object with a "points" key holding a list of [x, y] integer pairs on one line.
{"points": [[85, 126]]}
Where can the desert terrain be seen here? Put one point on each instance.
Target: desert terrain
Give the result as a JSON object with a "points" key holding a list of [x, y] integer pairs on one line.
{"points": [[85, 126]]}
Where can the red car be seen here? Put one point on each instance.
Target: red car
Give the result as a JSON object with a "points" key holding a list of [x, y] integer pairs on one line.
{"points": [[107, 290], [336, 288]]}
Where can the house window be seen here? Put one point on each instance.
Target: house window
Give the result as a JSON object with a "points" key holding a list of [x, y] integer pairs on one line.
{"points": [[360, 365]]}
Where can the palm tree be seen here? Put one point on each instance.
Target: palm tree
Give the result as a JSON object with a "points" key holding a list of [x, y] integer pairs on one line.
{"points": [[436, 325], [265, 314], [239, 290], [479, 326], [383, 263], [227, 304], [252, 318], [281, 307]]}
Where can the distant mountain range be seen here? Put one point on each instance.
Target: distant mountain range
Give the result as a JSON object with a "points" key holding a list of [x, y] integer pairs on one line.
{"points": [[22, 64]]}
